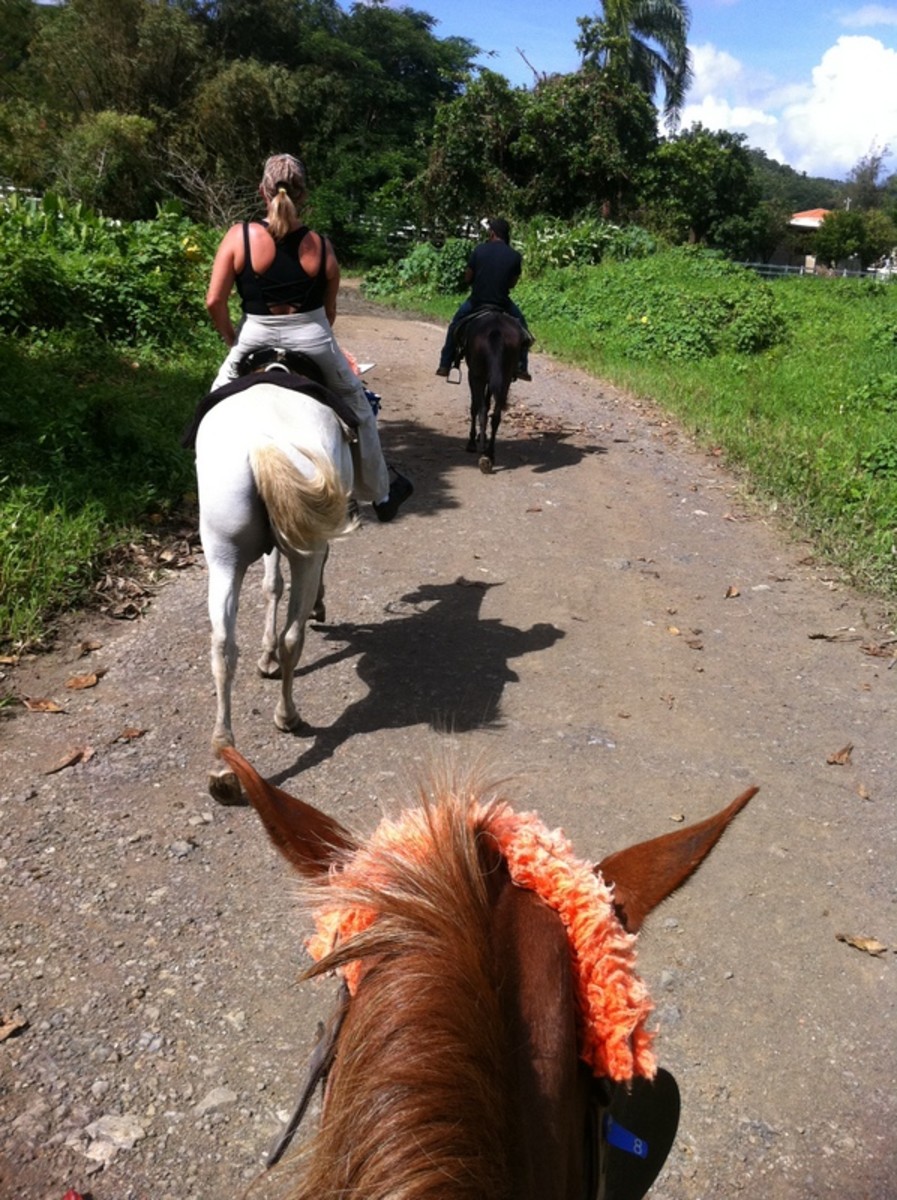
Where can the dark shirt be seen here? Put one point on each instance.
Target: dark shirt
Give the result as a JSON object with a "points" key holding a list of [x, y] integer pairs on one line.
{"points": [[496, 268], [285, 282]]}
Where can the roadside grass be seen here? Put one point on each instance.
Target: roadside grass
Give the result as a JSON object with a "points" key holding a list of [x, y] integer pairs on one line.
{"points": [[105, 349], [793, 381], [89, 458]]}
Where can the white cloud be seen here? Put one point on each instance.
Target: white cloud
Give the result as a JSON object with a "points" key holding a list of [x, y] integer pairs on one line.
{"points": [[869, 16], [824, 127]]}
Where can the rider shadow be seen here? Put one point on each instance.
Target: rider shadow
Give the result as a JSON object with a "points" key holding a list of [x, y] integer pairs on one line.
{"points": [[438, 662]]}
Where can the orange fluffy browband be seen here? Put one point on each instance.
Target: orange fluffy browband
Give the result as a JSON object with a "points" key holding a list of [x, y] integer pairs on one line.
{"points": [[612, 1001]]}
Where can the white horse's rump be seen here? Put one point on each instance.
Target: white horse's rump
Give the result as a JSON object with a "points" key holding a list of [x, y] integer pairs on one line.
{"points": [[274, 471], [306, 511]]}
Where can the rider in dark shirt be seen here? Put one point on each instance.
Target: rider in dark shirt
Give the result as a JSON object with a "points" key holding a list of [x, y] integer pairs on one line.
{"points": [[492, 270]]}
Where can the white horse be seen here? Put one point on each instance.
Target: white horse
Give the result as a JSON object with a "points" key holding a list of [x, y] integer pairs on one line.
{"points": [[274, 471]]}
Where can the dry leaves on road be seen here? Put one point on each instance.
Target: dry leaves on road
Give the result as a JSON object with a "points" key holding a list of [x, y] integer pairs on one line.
{"points": [[78, 682], [42, 704], [868, 945], [71, 758], [841, 757], [11, 1023]]}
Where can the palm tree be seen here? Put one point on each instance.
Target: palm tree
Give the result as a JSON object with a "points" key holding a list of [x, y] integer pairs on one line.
{"points": [[644, 42]]}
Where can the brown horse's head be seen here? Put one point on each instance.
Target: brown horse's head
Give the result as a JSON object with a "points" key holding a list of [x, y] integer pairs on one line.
{"points": [[495, 1011]]}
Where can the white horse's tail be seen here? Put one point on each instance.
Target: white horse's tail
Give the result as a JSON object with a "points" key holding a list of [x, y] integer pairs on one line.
{"points": [[306, 511]]}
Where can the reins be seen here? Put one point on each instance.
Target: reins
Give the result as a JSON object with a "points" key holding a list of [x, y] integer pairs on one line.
{"points": [[318, 1069]]}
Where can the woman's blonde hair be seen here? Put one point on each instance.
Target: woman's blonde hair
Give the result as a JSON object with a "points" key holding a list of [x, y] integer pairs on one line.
{"points": [[283, 187]]}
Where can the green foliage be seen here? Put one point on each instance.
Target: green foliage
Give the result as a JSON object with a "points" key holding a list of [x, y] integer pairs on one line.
{"points": [[682, 305], [89, 420], [793, 191], [582, 143], [426, 270], [641, 42], [108, 163], [89, 449], [852, 233], [696, 182], [548, 242], [63, 267], [471, 169]]}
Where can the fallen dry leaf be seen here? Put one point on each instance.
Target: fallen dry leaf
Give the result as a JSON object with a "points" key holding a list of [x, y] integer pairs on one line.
{"points": [[880, 649], [11, 1023], [869, 945], [677, 817], [86, 648], [71, 758], [535, 508], [673, 630], [731, 591], [9, 660], [863, 792], [79, 682], [694, 643], [42, 705], [841, 757], [129, 735]]}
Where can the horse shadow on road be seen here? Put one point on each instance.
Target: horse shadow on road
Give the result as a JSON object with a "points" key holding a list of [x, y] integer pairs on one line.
{"points": [[427, 455], [434, 659]]}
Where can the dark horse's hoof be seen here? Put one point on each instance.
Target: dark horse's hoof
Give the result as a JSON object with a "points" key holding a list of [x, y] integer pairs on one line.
{"points": [[486, 464]]}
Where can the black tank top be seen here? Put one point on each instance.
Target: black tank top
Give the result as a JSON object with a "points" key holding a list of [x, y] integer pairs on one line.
{"points": [[285, 282]]}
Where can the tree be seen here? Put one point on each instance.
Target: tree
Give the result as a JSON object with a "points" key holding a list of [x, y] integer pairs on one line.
{"points": [[583, 143], [644, 42], [108, 162], [863, 189], [471, 167], [696, 183], [846, 234]]}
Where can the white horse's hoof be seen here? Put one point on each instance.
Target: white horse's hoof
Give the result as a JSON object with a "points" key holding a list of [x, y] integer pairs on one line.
{"points": [[291, 724], [268, 666], [485, 464], [224, 787]]}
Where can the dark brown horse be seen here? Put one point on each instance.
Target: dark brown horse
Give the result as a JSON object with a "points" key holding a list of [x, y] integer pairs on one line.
{"points": [[492, 351], [494, 1042]]}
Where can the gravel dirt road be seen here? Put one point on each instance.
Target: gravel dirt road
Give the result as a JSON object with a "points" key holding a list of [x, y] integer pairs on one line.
{"points": [[606, 619]]}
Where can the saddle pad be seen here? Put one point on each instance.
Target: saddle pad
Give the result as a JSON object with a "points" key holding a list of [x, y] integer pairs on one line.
{"points": [[282, 379]]}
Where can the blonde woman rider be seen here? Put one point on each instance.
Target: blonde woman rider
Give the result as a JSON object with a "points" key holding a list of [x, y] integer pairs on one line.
{"points": [[288, 277]]}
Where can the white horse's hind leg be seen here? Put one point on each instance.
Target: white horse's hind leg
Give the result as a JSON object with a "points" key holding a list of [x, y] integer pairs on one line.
{"points": [[305, 581], [224, 593], [269, 660]]}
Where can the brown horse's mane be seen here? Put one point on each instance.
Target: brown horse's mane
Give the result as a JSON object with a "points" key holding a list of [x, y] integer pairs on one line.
{"points": [[419, 1102]]}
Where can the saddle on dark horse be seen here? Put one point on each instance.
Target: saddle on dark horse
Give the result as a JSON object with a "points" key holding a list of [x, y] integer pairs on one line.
{"points": [[468, 323], [285, 369]]}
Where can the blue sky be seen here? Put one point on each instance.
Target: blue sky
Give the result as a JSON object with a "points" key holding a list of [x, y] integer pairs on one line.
{"points": [[811, 82]]}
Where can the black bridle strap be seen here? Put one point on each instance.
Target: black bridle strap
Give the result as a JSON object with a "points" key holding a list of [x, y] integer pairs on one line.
{"points": [[318, 1067]]}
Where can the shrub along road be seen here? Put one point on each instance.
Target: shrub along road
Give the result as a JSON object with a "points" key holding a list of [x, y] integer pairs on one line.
{"points": [[606, 619]]}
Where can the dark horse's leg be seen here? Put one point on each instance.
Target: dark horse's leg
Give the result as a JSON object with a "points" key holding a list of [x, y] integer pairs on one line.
{"points": [[478, 402]]}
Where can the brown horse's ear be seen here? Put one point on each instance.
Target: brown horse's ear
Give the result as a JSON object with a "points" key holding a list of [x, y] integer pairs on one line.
{"points": [[646, 874], [305, 836]]}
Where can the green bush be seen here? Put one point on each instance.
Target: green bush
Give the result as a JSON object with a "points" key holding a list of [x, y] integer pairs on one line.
{"points": [[63, 267]]}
